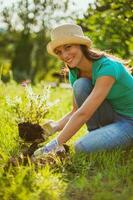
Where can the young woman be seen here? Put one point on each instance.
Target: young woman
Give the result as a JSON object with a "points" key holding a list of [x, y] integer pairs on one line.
{"points": [[102, 94]]}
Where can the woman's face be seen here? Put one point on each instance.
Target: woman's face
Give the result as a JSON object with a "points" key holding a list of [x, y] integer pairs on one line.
{"points": [[70, 54]]}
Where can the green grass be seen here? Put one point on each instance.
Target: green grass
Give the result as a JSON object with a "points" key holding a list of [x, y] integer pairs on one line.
{"points": [[96, 176]]}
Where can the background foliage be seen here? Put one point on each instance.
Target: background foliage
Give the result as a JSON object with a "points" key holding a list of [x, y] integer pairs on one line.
{"points": [[27, 28], [23, 41], [110, 26]]}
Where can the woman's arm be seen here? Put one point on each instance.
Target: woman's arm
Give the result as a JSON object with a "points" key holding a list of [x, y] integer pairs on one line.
{"points": [[84, 113], [62, 122]]}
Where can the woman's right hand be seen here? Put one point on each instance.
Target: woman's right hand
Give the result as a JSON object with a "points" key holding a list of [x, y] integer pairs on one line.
{"points": [[50, 127]]}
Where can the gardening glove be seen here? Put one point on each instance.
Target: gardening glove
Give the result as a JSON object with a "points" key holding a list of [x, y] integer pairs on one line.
{"points": [[52, 145], [50, 127]]}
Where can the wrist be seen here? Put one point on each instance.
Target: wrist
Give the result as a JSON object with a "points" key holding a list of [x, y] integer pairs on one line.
{"points": [[59, 141], [53, 144], [56, 127]]}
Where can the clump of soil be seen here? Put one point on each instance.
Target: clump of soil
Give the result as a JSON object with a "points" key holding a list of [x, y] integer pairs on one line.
{"points": [[55, 158], [33, 135], [25, 157], [28, 150], [31, 132], [62, 151]]}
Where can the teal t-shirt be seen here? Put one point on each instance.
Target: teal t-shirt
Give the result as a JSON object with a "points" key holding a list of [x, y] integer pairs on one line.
{"points": [[121, 94]]}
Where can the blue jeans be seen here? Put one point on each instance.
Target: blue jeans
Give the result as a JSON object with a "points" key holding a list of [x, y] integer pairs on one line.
{"points": [[106, 128]]}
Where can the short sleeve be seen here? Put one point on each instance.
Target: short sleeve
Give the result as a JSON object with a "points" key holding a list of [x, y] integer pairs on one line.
{"points": [[109, 68], [73, 75]]}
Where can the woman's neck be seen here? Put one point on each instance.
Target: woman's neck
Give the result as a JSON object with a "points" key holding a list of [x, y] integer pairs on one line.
{"points": [[85, 65]]}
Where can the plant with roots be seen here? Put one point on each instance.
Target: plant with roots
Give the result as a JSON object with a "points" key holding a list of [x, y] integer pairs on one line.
{"points": [[30, 110]]}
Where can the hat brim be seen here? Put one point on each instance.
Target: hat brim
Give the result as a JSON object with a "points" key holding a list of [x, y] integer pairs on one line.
{"points": [[67, 40]]}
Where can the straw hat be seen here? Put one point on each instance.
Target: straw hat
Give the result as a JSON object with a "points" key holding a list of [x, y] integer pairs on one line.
{"points": [[67, 34]]}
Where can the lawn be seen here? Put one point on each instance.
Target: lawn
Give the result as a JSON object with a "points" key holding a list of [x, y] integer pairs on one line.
{"points": [[95, 176]]}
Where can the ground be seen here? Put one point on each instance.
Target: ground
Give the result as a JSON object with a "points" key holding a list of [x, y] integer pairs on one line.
{"points": [[95, 176]]}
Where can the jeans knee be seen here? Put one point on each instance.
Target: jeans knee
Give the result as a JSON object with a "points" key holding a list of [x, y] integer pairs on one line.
{"points": [[82, 86], [78, 147]]}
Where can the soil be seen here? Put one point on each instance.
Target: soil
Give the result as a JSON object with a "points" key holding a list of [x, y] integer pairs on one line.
{"points": [[33, 135], [31, 132], [26, 156]]}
